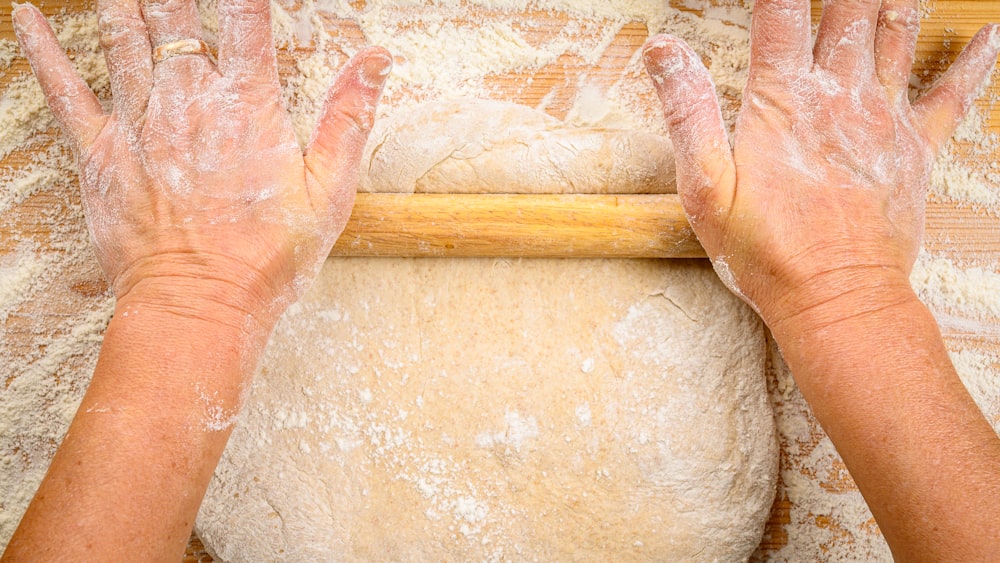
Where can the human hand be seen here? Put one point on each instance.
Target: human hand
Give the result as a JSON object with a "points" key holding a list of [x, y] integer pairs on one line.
{"points": [[822, 194], [194, 187]]}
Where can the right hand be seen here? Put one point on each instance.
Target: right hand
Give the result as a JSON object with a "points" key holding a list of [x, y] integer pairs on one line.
{"points": [[821, 199]]}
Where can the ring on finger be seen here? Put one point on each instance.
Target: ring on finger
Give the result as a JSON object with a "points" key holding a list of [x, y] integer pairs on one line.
{"points": [[180, 47]]}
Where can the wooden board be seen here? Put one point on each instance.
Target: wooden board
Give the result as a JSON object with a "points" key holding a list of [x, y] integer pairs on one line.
{"points": [[963, 231]]}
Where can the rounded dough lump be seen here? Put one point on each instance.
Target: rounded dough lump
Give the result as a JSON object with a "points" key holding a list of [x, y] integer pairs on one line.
{"points": [[484, 146], [481, 409]]}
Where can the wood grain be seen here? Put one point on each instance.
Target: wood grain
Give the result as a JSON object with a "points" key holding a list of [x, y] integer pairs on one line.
{"points": [[397, 225], [526, 226]]}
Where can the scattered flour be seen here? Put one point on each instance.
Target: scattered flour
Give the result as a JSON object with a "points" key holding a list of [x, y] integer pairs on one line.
{"points": [[445, 53], [18, 272], [968, 172], [52, 297], [53, 302], [979, 371], [946, 287], [8, 52], [956, 181], [517, 430]]}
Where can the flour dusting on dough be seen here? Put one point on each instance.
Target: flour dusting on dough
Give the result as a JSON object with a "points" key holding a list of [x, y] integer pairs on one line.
{"points": [[452, 410], [43, 383]]}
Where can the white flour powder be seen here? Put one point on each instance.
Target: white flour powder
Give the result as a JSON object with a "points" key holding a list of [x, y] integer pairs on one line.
{"points": [[53, 304], [53, 307]]}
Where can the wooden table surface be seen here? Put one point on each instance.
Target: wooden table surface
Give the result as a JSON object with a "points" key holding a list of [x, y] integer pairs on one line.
{"points": [[962, 230]]}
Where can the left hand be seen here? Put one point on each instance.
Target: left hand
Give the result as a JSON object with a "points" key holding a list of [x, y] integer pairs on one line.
{"points": [[194, 186], [821, 196]]}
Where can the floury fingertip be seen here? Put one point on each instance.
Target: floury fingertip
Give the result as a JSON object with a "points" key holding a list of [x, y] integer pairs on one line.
{"points": [[371, 67], [666, 55], [18, 8], [375, 68], [994, 39], [658, 47], [21, 19]]}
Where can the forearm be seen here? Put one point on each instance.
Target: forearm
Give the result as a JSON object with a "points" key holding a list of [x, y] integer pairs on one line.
{"points": [[874, 369], [128, 478]]}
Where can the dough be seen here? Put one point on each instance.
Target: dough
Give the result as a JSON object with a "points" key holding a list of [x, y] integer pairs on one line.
{"points": [[482, 409], [469, 410], [483, 146]]}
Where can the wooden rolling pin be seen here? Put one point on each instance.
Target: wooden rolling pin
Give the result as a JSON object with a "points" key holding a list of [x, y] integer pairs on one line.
{"points": [[528, 226]]}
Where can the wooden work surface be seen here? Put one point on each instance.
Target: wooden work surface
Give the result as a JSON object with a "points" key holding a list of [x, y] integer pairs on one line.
{"points": [[965, 232]]}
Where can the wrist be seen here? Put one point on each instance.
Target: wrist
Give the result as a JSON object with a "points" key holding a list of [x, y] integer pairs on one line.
{"points": [[836, 297], [214, 290], [214, 304]]}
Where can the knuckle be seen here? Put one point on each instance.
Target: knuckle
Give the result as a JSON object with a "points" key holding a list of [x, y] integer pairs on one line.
{"points": [[246, 8], [154, 10], [904, 21], [359, 122], [856, 5], [950, 95], [160, 5], [691, 112], [115, 30]]}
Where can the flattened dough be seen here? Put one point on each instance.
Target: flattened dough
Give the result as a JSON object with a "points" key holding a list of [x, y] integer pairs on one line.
{"points": [[481, 410], [484, 146]]}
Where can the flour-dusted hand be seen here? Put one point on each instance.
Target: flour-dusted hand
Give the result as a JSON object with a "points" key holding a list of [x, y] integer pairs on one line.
{"points": [[195, 178], [826, 181], [814, 216], [208, 221]]}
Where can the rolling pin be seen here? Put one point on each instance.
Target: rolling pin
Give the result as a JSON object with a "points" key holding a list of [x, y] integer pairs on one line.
{"points": [[518, 225]]}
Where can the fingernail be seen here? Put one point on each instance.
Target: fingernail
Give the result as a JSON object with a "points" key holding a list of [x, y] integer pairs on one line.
{"points": [[666, 56], [17, 11], [375, 69], [655, 47]]}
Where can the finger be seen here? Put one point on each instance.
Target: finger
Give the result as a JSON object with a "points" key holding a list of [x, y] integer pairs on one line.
{"points": [[75, 107], [128, 54], [246, 49], [170, 20], [334, 152], [780, 37], [896, 45], [942, 108], [705, 170], [846, 37]]}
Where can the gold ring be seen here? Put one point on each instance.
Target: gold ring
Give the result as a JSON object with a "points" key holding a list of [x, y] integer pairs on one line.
{"points": [[180, 47]]}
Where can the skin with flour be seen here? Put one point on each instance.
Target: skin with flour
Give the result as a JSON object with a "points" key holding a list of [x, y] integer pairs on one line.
{"points": [[786, 347], [207, 219], [848, 170]]}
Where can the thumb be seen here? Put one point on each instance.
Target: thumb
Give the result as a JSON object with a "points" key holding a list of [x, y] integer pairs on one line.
{"points": [[706, 175], [334, 153], [942, 108]]}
